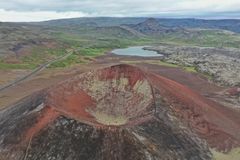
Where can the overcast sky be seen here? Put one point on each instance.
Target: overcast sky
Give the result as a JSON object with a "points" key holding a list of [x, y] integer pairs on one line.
{"points": [[39, 10]]}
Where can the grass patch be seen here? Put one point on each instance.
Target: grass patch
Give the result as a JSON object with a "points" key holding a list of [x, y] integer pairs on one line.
{"points": [[89, 42], [17, 66], [163, 63], [190, 69], [234, 154], [82, 56], [93, 52], [38, 56], [70, 60], [157, 62]]}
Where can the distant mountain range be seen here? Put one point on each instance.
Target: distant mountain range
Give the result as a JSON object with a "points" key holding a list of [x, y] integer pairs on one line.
{"points": [[117, 32], [152, 27], [226, 24]]}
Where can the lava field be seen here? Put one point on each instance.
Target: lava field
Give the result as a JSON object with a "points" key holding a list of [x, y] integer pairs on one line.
{"points": [[117, 113]]}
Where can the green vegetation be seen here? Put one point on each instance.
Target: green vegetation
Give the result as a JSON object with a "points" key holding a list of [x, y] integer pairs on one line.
{"points": [[91, 41], [38, 56], [163, 63], [93, 52], [16, 66], [190, 69], [157, 62], [70, 60], [234, 154], [204, 38], [83, 55], [87, 43]]}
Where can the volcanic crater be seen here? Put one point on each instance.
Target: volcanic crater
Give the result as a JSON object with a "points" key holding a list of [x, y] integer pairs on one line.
{"points": [[119, 112], [115, 96]]}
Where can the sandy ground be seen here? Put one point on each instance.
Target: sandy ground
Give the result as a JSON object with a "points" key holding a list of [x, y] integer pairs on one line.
{"points": [[8, 75], [50, 77], [42, 80]]}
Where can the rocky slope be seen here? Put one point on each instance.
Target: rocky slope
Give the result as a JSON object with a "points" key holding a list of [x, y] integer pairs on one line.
{"points": [[152, 27], [119, 112], [14, 37]]}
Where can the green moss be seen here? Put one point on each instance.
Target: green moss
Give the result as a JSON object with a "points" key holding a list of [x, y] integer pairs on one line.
{"points": [[190, 69]]}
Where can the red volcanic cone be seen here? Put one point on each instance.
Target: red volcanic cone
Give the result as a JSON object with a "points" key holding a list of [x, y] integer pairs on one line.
{"points": [[120, 112]]}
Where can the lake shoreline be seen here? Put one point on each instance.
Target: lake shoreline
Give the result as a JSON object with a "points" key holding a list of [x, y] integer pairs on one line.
{"points": [[139, 51]]}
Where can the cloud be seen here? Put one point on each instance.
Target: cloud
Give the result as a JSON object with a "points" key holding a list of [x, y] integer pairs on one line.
{"points": [[31, 16], [45, 9]]}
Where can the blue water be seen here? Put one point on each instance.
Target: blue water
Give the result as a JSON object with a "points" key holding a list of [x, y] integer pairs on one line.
{"points": [[136, 51]]}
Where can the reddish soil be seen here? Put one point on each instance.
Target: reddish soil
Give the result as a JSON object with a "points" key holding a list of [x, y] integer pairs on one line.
{"points": [[47, 116], [194, 81], [42, 80], [11, 75], [80, 96], [233, 91], [182, 91], [72, 105], [48, 78], [131, 73], [219, 125]]}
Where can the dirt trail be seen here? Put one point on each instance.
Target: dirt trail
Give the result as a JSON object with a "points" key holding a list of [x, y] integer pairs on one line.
{"points": [[41, 80], [34, 72], [48, 77]]}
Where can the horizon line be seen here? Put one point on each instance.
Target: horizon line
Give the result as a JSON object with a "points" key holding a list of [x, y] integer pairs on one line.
{"points": [[89, 17]]}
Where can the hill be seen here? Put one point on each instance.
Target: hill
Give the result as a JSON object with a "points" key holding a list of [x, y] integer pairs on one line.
{"points": [[119, 112], [152, 27], [225, 24]]}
